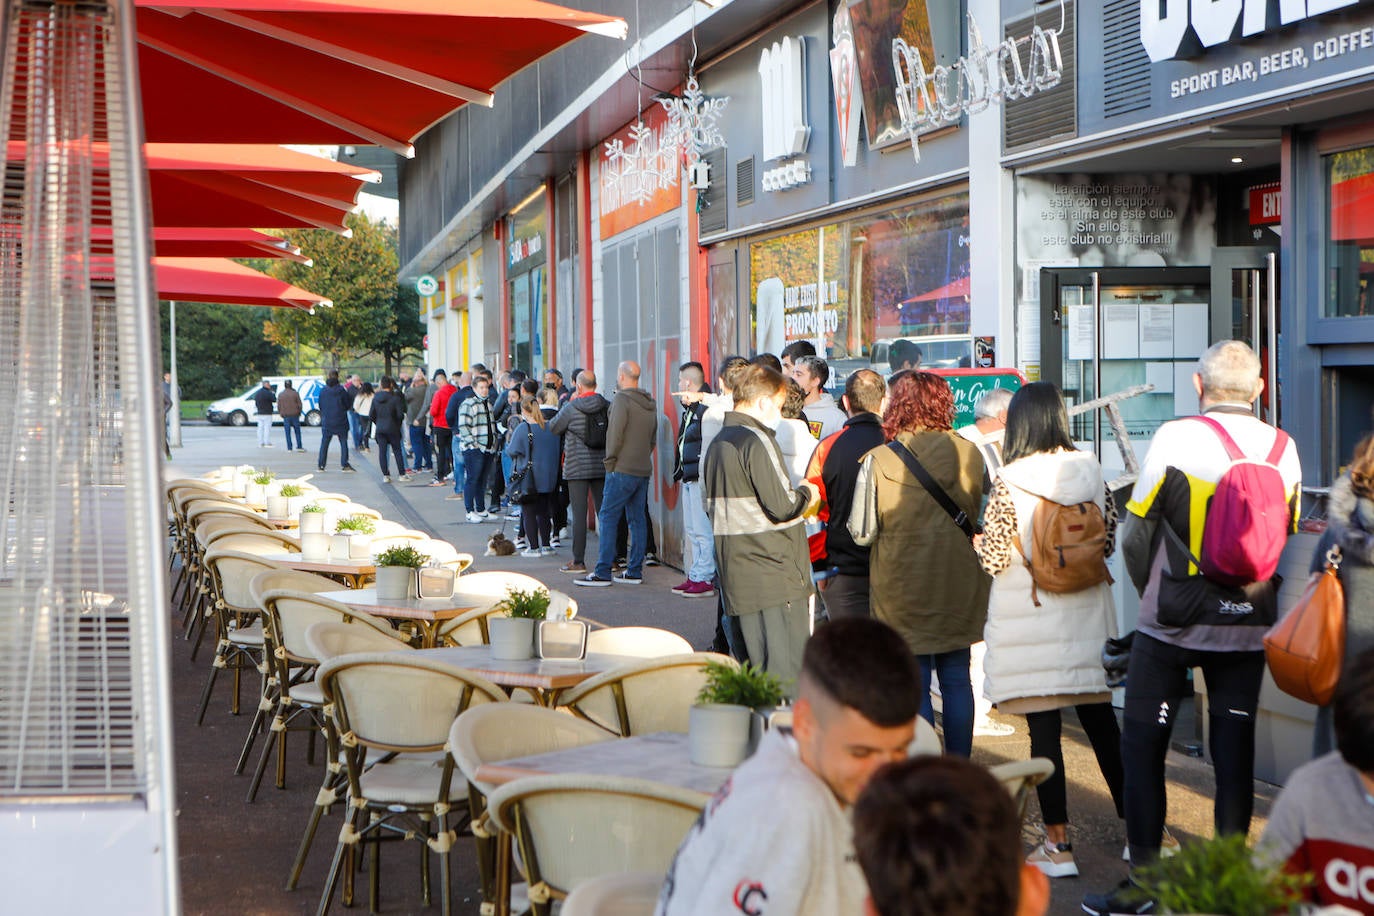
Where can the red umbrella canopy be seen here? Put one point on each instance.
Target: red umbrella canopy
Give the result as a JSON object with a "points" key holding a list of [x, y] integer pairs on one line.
{"points": [[213, 242], [335, 71], [221, 280]]}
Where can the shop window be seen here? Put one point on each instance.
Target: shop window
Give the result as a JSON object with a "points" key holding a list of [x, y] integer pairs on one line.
{"points": [[854, 287], [1349, 233]]}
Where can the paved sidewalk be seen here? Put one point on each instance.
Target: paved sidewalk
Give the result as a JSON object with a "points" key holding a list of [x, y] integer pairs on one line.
{"points": [[235, 856]]}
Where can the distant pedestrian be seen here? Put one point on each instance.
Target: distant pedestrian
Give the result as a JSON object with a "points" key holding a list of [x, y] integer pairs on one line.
{"points": [[535, 449], [362, 406], [352, 387], [417, 396], [388, 413], [701, 572], [630, 436], [478, 439], [582, 423], [463, 383], [913, 538], [289, 406], [793, 352], [263, 399], [335, 402], [822, 413], [443, 435]]}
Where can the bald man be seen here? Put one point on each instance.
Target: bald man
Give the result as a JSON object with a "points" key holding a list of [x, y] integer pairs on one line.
{"points": [[632, 424]]}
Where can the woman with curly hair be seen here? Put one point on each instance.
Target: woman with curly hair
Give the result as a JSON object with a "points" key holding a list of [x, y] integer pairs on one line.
{"points": [[1350, 526], [924, 578]]}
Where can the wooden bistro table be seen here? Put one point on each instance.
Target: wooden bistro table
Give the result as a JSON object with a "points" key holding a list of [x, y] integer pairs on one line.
{"points": [[546, 678], [427, 613], [353, 573]]}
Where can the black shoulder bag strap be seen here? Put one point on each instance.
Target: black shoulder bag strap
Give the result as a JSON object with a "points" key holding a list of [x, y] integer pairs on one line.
{"points": [[936, 491]]}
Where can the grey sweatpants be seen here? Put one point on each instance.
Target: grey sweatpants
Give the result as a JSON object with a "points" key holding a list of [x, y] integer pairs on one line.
{"points": [[776, 637]]}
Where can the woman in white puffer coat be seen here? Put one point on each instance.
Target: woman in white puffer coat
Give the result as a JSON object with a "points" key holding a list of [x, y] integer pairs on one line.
{"points": [[1045, 648]]}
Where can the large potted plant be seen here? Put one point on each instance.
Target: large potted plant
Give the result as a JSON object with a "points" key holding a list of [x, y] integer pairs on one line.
{"points": [[726, 719], [1221, 875], [255, 490], [396, 568], [353, 537], [512, 634]]}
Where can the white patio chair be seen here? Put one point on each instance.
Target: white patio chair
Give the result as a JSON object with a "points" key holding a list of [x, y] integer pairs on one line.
{"points": [[485, 734], [628, 894], [638, 826], [483, 591], [638, 642], [640, 698]]}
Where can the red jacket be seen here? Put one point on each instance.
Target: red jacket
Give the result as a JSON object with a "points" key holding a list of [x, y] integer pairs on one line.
{"points": [[438, 403]]}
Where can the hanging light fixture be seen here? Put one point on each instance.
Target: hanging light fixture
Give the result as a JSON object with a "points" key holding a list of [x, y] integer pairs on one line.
{"points": [[693, 117], [633, 172]]}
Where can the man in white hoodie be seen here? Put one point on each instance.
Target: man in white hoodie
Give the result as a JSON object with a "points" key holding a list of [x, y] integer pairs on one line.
{"points": [[823, 415], [777, 837]]}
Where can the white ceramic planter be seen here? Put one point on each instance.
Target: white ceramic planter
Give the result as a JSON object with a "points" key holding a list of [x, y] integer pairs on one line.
{"points": [[255, 494], [312, 523], [395, 583], [277, 508], [512, 638], [718, 735], [293, 505], [351, 546], [315, 546]]}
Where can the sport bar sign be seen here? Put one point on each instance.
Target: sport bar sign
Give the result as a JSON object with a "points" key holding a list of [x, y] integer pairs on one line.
{"points": [[1011, 69], [1182, 28]]}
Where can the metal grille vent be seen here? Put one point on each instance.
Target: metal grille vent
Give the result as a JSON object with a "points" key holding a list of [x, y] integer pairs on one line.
{"points": [[1046, 115], [81, 586], [712, 217], [1125, 65], [744, 182]]}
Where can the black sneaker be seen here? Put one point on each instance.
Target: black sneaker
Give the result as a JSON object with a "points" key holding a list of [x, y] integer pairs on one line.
{"points": [[349, 468], [1126, 899], [592, 580], [625, 578], [321, 470], [651, 560]]}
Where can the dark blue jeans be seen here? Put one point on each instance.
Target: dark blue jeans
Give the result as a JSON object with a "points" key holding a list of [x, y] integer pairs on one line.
{"points": [[289, 424], [325, 436], [475, 464], [956, 695], [355, 429], [460, 468], [628, 496], [419, 444]]}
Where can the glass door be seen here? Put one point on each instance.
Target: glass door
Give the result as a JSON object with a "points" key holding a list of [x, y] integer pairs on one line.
{"points": [[1245, 287], [1109, 331]]}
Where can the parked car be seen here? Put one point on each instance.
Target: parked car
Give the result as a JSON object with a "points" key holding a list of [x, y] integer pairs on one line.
{"points": [[240, 409]]}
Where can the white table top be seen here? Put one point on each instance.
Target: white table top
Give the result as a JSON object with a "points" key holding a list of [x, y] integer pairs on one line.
{"points": [[539, 673], [425, 609], [661, 757]]}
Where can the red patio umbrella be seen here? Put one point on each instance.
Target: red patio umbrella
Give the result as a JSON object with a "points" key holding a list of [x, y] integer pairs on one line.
{"points": [[222, 280], [211, 242], [335, 71]]}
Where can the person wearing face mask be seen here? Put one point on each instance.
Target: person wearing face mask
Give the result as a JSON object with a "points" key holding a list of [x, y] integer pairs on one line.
{"points": [[757, 520]]}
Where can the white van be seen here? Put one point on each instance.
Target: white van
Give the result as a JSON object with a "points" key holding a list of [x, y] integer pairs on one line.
{"points": [[240, 409]]}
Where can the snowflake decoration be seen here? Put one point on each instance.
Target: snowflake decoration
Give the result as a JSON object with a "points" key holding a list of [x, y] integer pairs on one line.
{"points": [[634, 172], [692, 121]]}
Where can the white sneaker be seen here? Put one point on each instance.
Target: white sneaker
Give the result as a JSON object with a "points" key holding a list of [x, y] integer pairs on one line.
{"points": [[531, 552], [555, 542], [1168, 847], [1054, 860], [476, 518], [386, 480], [521, 543], [547, 551], [563, 532]]}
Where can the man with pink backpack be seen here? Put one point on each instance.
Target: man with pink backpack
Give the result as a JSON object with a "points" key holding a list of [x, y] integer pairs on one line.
{"points": [[1216, 498]]}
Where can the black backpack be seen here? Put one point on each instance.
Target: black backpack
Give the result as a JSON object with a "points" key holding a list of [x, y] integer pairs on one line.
{"points": [[598, 421]]}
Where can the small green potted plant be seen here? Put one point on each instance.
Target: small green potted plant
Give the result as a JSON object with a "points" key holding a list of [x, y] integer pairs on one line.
{"points": [[353, 537], [726, 719], [312, 520], [396, 566], [1221, 875], [255, 491], [286, 502], [512, 634]]}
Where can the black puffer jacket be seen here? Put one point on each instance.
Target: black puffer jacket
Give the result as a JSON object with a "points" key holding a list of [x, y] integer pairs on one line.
{"points": [[388, 413], [580, 461], [687, 465]]}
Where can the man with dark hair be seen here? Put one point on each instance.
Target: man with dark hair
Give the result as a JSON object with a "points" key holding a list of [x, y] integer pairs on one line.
{"points": [[263, 399], [939, 835], [769, 361], [334, 405], [691, 379], [777, 836], [903, 354], [835, 469], [794, 351], [823, 415], [756, 517], [1323, 820]]}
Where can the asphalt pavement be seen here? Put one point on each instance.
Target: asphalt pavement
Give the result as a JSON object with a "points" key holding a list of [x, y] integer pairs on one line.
{"points": [[235, 856]]}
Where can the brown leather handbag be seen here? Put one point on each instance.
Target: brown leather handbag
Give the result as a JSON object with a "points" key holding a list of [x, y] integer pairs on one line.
{"points": [[1306, 648]]}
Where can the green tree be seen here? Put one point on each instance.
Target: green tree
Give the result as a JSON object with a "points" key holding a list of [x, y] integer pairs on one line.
{"points": [[220, 348], [358, 274], [407, 331]]}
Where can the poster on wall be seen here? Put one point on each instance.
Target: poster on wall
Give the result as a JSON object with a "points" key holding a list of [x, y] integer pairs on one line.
{"points": [[875, 23], [1126, 220]]}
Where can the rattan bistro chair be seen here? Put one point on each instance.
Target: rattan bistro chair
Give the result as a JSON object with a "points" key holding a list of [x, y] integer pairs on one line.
{"points": [[637, 642], [404, 705], [239, 634], [654, 695], [628, 894], [637, 825], [485, 734], [484, 591]]}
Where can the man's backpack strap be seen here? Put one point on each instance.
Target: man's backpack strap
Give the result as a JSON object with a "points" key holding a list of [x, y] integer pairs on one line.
{"points": [[936, 491]]}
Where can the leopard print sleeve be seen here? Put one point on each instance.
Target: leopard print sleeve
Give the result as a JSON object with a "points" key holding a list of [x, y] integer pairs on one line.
{"points": [[997, 548], [1111, 520]]}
